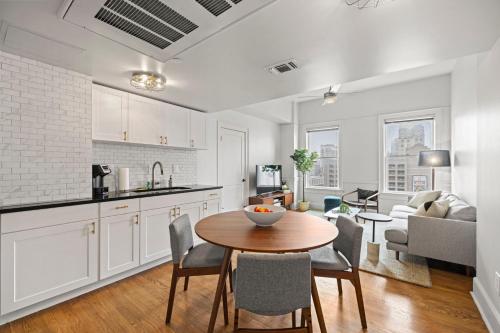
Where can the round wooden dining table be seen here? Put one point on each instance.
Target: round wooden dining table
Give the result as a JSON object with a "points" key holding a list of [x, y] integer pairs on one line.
{"points": [[294, 232]]}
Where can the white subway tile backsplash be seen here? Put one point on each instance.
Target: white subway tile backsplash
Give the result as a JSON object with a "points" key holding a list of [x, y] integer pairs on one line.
{"points": [[139, 159], [45, 113]]}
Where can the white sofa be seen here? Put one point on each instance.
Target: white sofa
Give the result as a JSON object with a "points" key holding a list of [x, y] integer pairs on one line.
{"points": [[452, 238]]}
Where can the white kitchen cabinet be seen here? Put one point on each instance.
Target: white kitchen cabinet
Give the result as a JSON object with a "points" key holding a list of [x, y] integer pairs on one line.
{"points": [[38, 264], [197, 130], [175, 125], [154, 233], [195, 211], [211, 207], [145, 120], [119, 244], [109, 114]]}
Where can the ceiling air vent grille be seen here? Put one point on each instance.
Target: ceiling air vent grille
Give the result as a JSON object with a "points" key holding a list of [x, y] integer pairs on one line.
{"points": [[283, 67], [216, 7], [167, 14], [143, 19], [116, 21]]}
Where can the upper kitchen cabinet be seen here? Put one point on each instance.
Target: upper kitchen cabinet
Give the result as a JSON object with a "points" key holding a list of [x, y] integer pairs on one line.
{"points": [[109, 114], [145, 120], [125, 117], [198, 130], [175, 125]]}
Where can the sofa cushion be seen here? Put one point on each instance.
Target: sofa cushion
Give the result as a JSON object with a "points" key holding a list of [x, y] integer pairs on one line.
{"points": [[396, 235], [433, 209], [461, 211], [404, 209], [422, 197]]}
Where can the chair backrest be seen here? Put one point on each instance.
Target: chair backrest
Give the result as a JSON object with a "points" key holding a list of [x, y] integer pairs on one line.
{"points": [[273, 284], [348, 242], [181, 237]]}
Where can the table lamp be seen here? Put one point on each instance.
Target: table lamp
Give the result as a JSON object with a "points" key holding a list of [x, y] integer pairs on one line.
{"points": [[434, 159]]}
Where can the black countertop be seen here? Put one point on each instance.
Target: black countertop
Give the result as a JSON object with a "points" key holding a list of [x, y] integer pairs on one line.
{"points": [[111, 197]]}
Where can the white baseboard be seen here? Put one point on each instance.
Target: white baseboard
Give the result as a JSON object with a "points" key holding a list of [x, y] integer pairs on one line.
{"points": [[75, 293], [489, 313]]}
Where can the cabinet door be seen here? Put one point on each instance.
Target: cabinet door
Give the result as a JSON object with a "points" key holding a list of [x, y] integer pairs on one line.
{"points": [[195, 212], [211, 207], [175, 125], [144, 120], [198, 130], [119, 240], [109, 114], [154, 234], [38, 264]]}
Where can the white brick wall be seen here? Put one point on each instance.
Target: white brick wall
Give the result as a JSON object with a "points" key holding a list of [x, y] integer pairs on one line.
{"points": [[45, 132], [139, 159]]}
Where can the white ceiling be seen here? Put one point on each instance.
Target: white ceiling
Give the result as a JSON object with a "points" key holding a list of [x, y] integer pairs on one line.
{"points": [[332, 42]]}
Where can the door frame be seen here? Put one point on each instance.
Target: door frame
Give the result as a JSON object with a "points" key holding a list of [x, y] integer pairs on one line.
{"points": [[246, 186]]}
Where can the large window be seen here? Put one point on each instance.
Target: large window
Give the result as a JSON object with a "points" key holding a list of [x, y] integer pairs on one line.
{"points": [[325, 172], [403, 140]]}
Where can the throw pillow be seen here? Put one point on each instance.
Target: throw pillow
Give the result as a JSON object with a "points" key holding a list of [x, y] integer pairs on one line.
{"points": [[433, 209], [363, 194], [422, 197]]}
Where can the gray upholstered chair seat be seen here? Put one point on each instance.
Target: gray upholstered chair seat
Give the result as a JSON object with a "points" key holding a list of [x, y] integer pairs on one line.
{"points": [[326, 258], [204, 255], [397, 235]]}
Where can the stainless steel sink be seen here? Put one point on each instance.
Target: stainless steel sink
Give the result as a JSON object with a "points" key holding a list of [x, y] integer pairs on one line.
{"points": [[139, 190]]}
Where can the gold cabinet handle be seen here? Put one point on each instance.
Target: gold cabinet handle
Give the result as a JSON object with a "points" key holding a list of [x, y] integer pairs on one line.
{"points": [[212, 194], [161, 140], [121, 207], [136, 219], [172, 212], [124, 135], [166, 141], [178, 211], [205, 205], [192, 143], [92, 228]]}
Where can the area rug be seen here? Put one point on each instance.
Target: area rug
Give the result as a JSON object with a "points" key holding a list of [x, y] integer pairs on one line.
{"points": [[408, 268]]}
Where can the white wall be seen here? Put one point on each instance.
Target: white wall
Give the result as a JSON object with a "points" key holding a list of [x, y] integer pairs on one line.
{"points": [[264, 145], [359, 141], [488, 162], [464, 128], [45, 132]]}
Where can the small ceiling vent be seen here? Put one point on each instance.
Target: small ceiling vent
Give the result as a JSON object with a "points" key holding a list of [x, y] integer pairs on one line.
{"points": [[283, 67]]}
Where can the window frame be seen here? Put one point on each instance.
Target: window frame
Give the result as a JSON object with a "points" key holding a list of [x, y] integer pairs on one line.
{"points": [[440, 140], [322, 127]]}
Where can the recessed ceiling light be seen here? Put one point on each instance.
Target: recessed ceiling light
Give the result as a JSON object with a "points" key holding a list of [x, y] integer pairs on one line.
{"points": [[148, 81]]}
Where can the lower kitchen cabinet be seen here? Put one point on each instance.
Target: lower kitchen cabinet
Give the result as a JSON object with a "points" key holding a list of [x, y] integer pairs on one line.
{"points": [[119, 244], [195, 212], [154, 233], [211, 207], [38, 264]]}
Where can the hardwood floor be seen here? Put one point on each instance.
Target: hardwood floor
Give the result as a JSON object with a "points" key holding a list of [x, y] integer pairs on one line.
{"points": [[138, 304]]}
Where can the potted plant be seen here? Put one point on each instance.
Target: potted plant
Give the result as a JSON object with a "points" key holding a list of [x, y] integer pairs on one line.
{"points": [[304, 162]]}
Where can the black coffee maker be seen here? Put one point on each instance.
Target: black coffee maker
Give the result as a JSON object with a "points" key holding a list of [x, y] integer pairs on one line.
{"points": [[99, 171]]}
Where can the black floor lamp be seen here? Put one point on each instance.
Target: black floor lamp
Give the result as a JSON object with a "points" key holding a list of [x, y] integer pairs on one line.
{"points": [[434, 159]]}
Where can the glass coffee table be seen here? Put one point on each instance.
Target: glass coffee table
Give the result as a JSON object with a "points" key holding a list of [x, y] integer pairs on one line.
{"points": [[333, 214]]}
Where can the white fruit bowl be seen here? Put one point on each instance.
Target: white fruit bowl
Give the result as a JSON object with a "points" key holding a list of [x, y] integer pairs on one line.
{"points": [[264, 219]]}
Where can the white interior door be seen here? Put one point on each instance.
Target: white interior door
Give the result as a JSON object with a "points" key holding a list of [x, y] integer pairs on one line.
{"points": [[232, 167]]}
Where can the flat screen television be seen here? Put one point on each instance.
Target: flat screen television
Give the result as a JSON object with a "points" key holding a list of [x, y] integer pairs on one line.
{"points": [[268, 178]]}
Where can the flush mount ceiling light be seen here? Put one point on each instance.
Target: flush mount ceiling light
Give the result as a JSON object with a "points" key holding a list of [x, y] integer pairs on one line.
{"points": [[361, 4], [148, 81], [329, 97]]}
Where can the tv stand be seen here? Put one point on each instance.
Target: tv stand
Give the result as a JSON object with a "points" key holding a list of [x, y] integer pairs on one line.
{"points": [[286, 199]]}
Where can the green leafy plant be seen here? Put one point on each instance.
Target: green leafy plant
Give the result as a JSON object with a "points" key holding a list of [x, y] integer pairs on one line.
{"points": [[304, 162], [344, 208]]}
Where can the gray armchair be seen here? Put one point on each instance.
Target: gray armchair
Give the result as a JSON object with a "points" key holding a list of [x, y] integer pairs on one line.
{"points": [[272, 285]]}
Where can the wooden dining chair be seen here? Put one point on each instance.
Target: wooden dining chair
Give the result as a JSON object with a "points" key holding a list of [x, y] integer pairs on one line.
{"points": [[273, 285], [202, 259], [342, 260]]}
